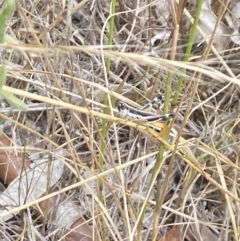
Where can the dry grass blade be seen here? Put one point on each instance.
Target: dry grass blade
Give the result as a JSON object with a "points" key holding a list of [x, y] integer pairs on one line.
{"points": [[55, 56]]}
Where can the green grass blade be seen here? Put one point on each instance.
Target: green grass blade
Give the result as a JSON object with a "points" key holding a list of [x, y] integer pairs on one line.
{"points": [[3, 75], [188, 51], [13, 101], [4, 16]]}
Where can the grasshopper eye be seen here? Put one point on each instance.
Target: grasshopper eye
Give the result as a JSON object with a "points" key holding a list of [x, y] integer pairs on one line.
{"points": [[158, 97], [121, 106]]}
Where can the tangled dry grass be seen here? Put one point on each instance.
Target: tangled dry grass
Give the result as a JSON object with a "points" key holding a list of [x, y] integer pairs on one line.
{"points": [[110, 181]]}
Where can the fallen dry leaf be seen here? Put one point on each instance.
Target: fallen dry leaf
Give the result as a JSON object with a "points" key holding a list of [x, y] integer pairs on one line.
{"points": [[80, 231], [65, 214], [34, 182], [12, 163], [45, 207], [207, 23], [68, 216], [172, 235], [199, 231]]}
